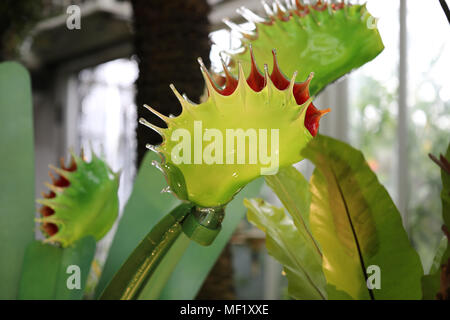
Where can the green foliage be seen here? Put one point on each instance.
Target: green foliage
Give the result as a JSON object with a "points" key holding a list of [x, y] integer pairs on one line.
{"points": [[45, 272], [431, 283], [357, 225], [16, 174], [301, 262]]}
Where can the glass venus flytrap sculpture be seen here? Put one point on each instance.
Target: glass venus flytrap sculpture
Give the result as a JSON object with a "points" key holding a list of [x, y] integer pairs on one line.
{"points": [[247, 106], [82, 201]]}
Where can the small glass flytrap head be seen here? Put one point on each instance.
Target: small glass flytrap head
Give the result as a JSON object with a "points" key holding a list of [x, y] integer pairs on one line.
{"points": [[82, 201]]}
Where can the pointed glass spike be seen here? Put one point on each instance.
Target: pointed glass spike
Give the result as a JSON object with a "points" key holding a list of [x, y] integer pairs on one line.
{"points": [[156, 113], [152, 126]]}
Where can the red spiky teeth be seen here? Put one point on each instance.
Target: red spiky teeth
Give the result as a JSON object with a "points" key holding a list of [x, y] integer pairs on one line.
{"points": [[257, 81], [59, 182]]}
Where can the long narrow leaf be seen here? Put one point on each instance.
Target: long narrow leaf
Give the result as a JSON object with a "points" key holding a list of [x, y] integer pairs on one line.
{"points": [[358, 226], [17, 205]]}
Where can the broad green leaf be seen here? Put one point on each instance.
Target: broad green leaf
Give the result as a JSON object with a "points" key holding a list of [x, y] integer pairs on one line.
{"points": [[193, 268], [46, 271], [302, 265], [17, 206], [145, 207], [357, 225]]}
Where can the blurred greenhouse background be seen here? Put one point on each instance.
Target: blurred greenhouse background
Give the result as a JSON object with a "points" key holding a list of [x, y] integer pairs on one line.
{"points": [[396, 109]]}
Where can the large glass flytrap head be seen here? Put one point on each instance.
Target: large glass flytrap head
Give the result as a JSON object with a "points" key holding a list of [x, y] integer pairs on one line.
{"points": [[249, 127]]}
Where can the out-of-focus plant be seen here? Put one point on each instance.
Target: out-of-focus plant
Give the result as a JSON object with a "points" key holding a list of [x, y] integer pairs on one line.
{"points": [[436, 285], [17, 17]]}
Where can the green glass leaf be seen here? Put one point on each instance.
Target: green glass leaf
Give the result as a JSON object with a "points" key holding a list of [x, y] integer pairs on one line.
{"points": [[329, 40], [303, 266], [47, 270], [357, 225], [17, 205]]}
